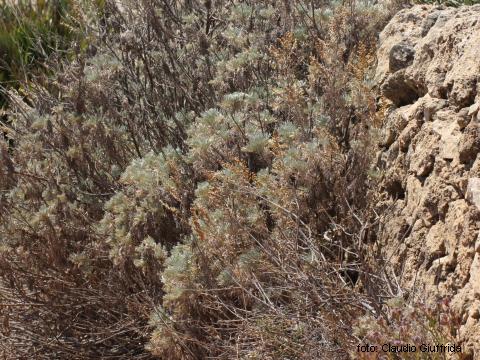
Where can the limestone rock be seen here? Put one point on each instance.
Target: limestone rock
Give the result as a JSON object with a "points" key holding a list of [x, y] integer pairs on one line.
{"points": [[445, 43], [429, 67], [450, 138], [470, 144], [473, 191], [401, 56]]}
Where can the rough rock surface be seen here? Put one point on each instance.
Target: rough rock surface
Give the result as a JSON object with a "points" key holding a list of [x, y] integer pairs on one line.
{"points": [[429, 67]]}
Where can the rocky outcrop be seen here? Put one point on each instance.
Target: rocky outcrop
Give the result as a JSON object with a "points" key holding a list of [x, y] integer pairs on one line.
{"points": [[429, 68]]}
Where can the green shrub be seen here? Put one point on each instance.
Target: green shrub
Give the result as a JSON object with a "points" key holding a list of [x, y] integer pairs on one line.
{"points": [[196, 187], [29, 34]]}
